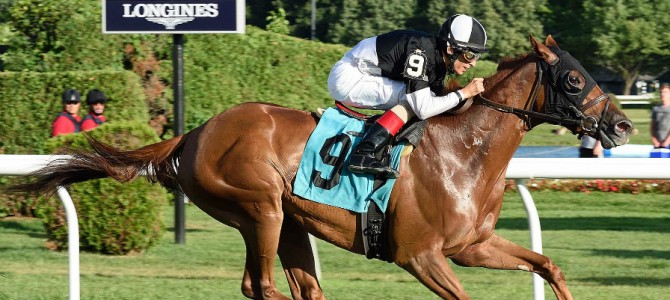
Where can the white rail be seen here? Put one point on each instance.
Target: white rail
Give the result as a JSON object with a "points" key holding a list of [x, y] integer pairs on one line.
{"points": [[519, 169], [20, 165]]}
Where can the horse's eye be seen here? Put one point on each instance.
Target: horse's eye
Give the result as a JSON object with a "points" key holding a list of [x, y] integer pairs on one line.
{"points": [[572, 84], [573, 81]]}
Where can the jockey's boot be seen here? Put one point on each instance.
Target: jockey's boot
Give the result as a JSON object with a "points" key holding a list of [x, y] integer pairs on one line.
{"points": [[365, 159]]}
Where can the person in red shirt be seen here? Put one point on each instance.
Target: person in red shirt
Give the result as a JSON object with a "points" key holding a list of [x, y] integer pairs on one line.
{"points": [[68, 120], [96, 100]]}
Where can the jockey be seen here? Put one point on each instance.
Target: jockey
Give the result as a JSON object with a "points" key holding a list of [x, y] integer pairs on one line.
{"points": [[401, 71]]}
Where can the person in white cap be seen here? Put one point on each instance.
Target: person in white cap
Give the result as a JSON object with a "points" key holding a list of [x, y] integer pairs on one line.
{"points": [[402, 71]]}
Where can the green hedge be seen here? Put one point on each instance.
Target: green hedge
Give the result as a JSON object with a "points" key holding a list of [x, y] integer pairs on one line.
{"points": [[114, 218], [31, 101], [224, 70]]}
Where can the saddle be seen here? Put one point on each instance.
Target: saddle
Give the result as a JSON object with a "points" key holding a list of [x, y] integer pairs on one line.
{"points": [[374, 222]]}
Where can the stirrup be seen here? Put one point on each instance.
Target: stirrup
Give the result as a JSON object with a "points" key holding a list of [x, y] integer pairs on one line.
{"points": [[370, 165]]}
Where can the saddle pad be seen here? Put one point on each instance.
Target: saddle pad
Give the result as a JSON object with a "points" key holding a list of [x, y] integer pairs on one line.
{"points": [[323, 175]]}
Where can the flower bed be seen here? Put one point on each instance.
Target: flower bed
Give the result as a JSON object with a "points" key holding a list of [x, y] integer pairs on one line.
{"points": [[590, 185]]}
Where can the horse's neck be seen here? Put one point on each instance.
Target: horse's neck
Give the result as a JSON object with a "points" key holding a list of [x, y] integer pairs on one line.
{"points": [[483, 135]]}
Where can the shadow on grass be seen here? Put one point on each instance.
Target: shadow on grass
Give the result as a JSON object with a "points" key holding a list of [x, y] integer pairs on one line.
{"points": [[633, 253], [591, 223], [628, 281], [22, 227], [171, 229]]}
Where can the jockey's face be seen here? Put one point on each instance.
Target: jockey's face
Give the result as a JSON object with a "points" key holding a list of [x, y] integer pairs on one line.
{"points": [[462, 63]]}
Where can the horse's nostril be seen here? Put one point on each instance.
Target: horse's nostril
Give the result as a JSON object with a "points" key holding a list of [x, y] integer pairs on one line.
{"points": [[624, 126]]}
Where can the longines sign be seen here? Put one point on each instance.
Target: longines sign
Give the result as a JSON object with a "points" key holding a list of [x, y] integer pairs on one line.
{"points": [[168, 16]]}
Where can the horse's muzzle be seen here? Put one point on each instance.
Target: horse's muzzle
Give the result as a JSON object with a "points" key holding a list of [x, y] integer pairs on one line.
{"points": [[616, 135]]}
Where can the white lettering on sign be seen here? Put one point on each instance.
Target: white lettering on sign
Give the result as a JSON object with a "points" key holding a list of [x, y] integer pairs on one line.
{"points": [[170, 10], [170, 15]]}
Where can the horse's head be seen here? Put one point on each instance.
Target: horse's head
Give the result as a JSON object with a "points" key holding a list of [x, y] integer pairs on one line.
{"points": [[572, 96]]}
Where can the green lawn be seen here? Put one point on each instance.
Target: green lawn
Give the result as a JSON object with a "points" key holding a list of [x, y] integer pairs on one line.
{"points": [[610, 246]]}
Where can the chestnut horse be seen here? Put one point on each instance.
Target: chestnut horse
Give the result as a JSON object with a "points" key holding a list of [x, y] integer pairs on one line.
{"points": [[239, 168]]}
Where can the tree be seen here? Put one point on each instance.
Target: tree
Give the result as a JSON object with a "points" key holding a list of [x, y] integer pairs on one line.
{"points": [[571, 32], [365, 18], [631, 37], [508, 23], [277, 22]]}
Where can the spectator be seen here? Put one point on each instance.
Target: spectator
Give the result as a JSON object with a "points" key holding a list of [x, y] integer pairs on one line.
{"points": [[68, 120], [95, 99], [590, 148], [660, 120]]}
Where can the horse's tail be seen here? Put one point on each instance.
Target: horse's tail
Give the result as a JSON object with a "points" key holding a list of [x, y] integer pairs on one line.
{"points": [[157, 161]]}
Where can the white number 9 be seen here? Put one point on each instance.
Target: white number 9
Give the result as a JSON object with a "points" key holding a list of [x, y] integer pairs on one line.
{"points": [[415, 66]]}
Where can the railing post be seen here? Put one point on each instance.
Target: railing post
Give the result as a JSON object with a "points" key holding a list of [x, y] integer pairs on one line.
{"points": [[72, 241], [535, 233]]}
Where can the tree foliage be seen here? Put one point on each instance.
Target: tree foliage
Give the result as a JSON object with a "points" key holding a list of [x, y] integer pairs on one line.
{"points": [[508, 22], [277, 22], [630, 36]]}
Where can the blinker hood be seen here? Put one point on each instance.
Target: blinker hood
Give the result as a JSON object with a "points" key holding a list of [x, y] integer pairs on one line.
{"points": [[559, 100]]}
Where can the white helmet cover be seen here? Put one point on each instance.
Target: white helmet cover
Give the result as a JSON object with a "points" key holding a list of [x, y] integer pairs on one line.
{"points": [[464, 32]]}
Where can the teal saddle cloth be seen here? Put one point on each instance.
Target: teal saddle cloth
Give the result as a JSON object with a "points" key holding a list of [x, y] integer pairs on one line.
{"points": [[323, 175]]}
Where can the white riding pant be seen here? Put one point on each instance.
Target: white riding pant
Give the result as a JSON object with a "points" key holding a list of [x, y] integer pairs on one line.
{"points": [[356, 80], [352, 84]]}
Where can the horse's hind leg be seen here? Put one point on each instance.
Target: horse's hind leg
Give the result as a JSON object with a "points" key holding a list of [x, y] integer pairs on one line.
{"points": [[297, 260], [296, 257], [261, 237], [499, 253]]}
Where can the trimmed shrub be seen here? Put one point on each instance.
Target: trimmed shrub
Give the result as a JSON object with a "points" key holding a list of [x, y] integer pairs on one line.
{"points": [[114, 218]]}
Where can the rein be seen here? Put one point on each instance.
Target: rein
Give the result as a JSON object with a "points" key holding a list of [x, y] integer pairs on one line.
{"points": [[592, 124]]}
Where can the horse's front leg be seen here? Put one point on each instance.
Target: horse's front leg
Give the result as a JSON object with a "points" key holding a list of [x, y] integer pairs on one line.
{"points": [[499, 253], [432, 269]]}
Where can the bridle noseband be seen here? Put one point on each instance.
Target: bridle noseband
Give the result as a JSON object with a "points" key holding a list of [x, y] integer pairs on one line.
{"points": [[588, 124]]}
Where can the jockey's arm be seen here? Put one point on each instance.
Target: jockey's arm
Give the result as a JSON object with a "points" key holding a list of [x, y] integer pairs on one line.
{"points": [[426, 104]]}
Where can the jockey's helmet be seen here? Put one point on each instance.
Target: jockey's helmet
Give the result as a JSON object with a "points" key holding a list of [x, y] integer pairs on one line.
{"points": [[463, 33]]}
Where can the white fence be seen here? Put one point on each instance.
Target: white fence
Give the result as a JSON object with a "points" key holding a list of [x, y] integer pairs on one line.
{"points": [[519, 170], [19, 165]]}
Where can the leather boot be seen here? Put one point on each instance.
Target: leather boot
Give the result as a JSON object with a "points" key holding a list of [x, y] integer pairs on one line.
{"points": [[364, 158]]}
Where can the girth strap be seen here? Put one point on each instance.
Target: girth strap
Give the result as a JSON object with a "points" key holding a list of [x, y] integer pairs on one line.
{"points": [[374, 228]]}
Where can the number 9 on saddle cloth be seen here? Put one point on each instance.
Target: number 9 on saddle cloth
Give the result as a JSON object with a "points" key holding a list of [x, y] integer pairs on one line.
{"points": [[322, 175]]}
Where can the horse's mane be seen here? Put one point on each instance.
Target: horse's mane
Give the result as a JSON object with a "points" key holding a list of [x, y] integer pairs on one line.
{"points": [[508, 63]]}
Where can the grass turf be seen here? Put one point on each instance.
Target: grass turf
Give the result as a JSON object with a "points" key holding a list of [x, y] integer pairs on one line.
{"points": [[610, 246]]}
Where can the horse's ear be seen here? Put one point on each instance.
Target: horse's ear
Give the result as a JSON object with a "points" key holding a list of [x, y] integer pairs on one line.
{"points": [[551, 42], [541, 50]]}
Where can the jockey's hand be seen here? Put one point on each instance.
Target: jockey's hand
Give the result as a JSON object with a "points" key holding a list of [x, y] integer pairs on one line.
{"points": [[473, 88]]}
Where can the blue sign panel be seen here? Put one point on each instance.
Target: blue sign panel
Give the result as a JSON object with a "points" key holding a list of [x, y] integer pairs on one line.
{"points": [[169, 16]]}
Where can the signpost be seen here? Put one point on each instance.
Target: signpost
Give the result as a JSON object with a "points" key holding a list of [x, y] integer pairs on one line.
{"points": [[176, 18]]}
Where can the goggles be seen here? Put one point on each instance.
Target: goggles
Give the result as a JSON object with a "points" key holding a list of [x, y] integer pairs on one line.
{"points": [[470, 56]]}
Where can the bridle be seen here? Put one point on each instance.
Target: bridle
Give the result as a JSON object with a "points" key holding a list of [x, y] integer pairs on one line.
{"points": [[588, 124]]}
